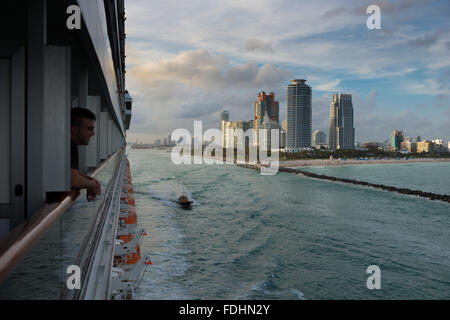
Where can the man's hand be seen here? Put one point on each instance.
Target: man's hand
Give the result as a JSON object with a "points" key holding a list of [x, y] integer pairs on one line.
{"points": [[79, 181], [74, 194], [94, 191]]}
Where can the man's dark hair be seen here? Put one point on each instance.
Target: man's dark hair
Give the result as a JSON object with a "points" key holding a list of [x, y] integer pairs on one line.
{"points": [[76, 114]]}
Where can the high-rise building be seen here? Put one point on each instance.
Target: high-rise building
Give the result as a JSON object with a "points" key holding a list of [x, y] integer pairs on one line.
{"points": [[224, 117], [341, 133], [408, 146], [424, 146], [439, 145], [265, 105], [283, 138], [283, 134], [397, 137], [269, 125], [319, 138], [299, 114], [229, 133]]}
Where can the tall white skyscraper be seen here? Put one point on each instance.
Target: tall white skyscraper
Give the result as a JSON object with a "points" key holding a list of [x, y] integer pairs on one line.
{"points": [[299, 114], [341, 134]]}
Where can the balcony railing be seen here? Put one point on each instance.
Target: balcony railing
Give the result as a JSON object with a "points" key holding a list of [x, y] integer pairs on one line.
{"points": [[35, 256]]}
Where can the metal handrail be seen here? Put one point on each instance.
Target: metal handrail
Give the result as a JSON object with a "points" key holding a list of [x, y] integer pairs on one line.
{"points": [[19, 241]]}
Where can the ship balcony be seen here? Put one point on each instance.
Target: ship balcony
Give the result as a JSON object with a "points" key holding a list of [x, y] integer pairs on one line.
{"points": [[36, 256]]}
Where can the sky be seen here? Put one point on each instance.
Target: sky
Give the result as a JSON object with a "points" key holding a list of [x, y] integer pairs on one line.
{"points": [[189, 60]]}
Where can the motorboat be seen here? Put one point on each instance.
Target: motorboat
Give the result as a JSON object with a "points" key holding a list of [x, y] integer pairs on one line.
{"points": [[184, 202]]}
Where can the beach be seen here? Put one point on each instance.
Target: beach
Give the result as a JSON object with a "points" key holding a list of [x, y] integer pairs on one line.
{"points": [[337, 162]]}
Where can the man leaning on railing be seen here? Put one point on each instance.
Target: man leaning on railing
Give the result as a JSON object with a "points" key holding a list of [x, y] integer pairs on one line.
{"points": [[82, 128]]}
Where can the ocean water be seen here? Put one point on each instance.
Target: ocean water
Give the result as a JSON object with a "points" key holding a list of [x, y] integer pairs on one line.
{"points": [[428, 176], [286, 237]]}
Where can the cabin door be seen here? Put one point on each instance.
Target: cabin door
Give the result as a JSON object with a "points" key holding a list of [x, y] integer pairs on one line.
{"points": [[12, 138]]}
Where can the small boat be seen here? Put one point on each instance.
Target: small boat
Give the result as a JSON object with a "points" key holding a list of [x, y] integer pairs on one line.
{"points": [[184, 202]]}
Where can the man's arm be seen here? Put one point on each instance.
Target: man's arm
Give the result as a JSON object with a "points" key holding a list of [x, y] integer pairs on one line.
{"points": [[82, 181]]}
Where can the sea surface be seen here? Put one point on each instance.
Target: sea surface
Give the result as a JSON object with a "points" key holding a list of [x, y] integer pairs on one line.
{"points": [[427, 176], [250, 236]]}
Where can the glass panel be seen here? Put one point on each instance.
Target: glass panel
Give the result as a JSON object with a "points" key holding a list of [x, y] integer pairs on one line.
{"points": [[42, 273]]}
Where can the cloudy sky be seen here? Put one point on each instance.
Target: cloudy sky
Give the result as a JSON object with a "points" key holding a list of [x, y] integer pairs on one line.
{"points": [[188, 60]]}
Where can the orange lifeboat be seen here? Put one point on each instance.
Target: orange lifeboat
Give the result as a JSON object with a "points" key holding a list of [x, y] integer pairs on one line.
{"points": [[126, 238], [128, 259], [130, 219], [128, 200]]}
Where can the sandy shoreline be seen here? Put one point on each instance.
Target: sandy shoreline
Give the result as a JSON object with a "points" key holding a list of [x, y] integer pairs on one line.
{"points": [[336, 162]]}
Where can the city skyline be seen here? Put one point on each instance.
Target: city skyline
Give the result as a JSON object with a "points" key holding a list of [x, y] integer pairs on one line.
{"points": [[341, 111], [398, 76]]}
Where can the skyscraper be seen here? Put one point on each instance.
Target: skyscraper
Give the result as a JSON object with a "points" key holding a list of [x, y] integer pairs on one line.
{"points": [[341, 133], [265, 105], [229, 133], [397, 137], [224, 117], [319, 138], [269, 125], [299, 114]]}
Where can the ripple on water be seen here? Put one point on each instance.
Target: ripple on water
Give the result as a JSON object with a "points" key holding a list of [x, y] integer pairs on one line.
{"points": [[286, 237]]}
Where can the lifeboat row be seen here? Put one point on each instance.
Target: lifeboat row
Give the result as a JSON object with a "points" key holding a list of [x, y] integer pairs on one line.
{"points": [[129, 264]]}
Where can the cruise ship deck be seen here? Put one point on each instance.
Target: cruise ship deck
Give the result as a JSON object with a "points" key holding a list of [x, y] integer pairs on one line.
{"points": [[56, 55]]}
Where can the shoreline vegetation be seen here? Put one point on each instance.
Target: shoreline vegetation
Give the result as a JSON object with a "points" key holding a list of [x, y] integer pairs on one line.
{"points": [[339, 157]]}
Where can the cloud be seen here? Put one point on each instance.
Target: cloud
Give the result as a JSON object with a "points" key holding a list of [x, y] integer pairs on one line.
{"points": [[333, 13], [367, 104], [196, 85], [425, 40], [386, 7], [197, 68], [446, 113], [321, 111], [369, 125], [442, 100], [201, 69], [199, 57], [258, 45], [331, 86], [429, 86], [390, 7]]}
